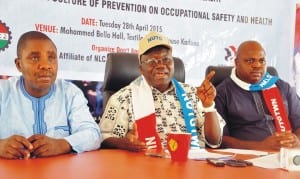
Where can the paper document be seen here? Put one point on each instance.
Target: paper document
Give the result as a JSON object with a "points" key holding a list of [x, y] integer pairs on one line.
{"points": [[243, 151], [202, 154], [270, 161]]}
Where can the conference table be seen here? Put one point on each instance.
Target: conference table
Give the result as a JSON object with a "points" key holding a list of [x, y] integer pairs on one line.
{"points": [[111, 164]]}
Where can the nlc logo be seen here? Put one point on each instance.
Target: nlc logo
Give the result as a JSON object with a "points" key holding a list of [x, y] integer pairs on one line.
{"points": [[5, 36]]}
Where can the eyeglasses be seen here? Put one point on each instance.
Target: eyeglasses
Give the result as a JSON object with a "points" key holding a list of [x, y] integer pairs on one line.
{"points": [[251, 61], [153, 61]]}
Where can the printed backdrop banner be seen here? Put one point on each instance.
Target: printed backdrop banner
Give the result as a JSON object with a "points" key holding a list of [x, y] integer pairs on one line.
{"points": [[203, 32]]}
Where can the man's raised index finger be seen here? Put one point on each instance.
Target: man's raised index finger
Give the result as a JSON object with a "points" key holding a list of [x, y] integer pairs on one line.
{"points": [[210, 75]]}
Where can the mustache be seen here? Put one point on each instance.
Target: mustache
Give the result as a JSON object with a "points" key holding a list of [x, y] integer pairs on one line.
{"points": [[45, 74]]}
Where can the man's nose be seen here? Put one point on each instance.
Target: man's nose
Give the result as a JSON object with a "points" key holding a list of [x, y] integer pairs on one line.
{"points": [[45, 64], [257, 63]]}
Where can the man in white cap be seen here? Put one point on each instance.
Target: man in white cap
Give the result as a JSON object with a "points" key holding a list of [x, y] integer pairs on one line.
{"points": [[140, 115]]}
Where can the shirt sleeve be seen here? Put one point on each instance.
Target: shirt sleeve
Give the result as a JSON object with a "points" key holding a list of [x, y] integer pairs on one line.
{"points": [[221, 126], [85, 133], [293, 105], [221, 106], [115, 119]]}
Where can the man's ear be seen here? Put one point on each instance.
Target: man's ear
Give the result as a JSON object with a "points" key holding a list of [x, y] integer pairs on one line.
{"points": [[17, 63], [236, 61], [140, 68]]}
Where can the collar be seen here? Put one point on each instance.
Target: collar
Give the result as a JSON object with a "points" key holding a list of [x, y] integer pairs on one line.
{"points": [[267, 81]]}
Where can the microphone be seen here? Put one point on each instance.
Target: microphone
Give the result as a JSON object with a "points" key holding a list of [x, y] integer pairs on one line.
{"points": [[290, 159], [296, 160]]}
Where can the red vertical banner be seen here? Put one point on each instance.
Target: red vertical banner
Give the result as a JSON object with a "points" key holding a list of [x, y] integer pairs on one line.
{"points": [[146, 128], [276, 107]]}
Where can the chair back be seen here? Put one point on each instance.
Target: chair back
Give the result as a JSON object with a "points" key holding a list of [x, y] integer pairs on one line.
{"points": [[223, 72]]}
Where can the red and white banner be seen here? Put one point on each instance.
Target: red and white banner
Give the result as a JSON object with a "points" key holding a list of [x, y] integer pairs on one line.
{"points": [[203, 32]]}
